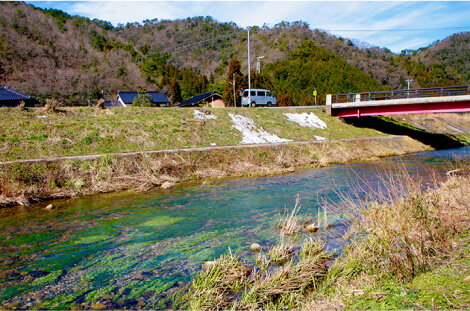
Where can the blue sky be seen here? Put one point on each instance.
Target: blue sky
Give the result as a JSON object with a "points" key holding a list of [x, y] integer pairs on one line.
{"points": [[396, 25]]}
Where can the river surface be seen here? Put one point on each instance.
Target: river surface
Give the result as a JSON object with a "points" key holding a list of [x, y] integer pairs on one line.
{"points": [[139, 250]]}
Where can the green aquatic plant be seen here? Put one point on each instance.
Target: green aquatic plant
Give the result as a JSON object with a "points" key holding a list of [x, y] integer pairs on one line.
{"points": [[62, 302], [50, 278], [161, 221], [92, 239], [99, 293]]}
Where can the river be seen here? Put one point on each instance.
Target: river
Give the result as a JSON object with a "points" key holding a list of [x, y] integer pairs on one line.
{"points": [[137, 250]]}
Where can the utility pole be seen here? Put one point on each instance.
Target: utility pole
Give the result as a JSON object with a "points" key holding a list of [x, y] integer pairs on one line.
{"points": [[249, 69], [234, 98], [258, 64], [408, 81]]}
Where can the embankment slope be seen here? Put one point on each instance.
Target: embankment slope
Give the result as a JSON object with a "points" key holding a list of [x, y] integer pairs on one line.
{"points": [[274, 141]]}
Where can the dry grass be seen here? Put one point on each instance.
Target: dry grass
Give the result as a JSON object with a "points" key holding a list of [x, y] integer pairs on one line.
{"points": [[289, 222], [400, 230], [281, 253], [281, 278], [214, 288], [23, 183]]}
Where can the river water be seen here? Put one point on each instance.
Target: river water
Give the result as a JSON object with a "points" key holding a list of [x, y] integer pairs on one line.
{"points": [[137, 250]]}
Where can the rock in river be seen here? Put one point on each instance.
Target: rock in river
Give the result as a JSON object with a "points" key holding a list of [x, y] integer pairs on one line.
{"points": [[255, 247], [167, 185], [312, 227]]}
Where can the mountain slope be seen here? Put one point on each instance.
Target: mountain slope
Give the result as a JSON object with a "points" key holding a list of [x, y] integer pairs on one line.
{"points": [[48, 53], [53, 57]]}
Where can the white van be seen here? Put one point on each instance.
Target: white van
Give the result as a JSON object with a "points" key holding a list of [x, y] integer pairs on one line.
{"points": [[258, 97]]}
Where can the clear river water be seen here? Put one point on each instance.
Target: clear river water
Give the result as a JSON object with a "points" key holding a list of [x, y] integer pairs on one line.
{"points": [[138, 250]]}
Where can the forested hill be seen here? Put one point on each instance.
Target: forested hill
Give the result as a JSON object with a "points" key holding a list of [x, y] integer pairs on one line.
{"points": [[48, 53]]}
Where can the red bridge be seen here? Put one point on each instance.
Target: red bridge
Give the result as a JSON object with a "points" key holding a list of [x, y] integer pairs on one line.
{"points": [[427, 100]]}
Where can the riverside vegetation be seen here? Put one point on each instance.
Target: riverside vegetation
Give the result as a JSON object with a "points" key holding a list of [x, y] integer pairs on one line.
{"points": [[407, 248], [33, 133]]}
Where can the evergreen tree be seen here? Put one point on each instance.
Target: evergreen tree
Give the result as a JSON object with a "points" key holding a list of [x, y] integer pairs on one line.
{"points": [[143, 99], [261, 81], [175, 92], [240, 83]]}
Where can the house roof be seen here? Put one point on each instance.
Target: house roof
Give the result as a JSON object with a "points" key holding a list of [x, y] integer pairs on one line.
{"points": [[7, 94], [156, 97], [198, 98]]}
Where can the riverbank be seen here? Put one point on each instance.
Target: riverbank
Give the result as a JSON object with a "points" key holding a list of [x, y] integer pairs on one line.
{"points": [[80, 151], [70, 152], [408, 248], [25, 182]]}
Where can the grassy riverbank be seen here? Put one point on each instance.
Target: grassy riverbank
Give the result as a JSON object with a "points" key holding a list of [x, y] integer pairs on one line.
{"points": [[36, 134], [80, 131], [408, 248], [22, 183]]}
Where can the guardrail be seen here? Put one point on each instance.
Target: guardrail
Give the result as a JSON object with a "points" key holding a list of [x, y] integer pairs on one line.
{"points": [[401, 94]]}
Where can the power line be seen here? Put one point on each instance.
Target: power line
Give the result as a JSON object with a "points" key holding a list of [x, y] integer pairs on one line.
{"points": [[205, 41], [398, 30], [181, 48]]}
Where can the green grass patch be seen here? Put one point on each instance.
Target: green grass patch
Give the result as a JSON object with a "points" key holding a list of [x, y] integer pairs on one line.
{"points": [[78, 132]]}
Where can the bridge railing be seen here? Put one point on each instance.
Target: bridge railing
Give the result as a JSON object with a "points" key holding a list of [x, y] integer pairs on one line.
{"points": [[401, 94]]}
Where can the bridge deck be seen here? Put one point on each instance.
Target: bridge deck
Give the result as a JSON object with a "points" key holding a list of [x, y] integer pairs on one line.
{"points": [[428, 100]]}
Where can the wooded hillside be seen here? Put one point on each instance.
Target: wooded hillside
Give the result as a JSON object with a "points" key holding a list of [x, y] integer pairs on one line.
{"points": [[50, 54]]}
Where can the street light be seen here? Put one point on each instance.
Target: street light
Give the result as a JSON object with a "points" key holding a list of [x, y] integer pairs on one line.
{"points": [[249, 69], [408, 81], [258, 64]]}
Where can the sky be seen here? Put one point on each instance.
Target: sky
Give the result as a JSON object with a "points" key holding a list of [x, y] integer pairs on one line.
{"points": [[396, 25]]}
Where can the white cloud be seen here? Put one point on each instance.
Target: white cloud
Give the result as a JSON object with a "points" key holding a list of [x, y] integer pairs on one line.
{"points": [[375, 22], [128, 11]]}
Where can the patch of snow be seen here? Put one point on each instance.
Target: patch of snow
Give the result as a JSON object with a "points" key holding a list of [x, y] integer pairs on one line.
{"points": [[252, 134], [319, 137], [306, 120], [213, 144], [202, 116]]}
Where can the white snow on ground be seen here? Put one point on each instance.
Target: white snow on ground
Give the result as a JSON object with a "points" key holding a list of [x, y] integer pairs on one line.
{"points": [[319, 137], [202, 116], [306, 120], [252, 134]]}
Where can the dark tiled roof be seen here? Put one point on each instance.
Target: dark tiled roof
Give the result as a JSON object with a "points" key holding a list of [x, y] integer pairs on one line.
{"points": [[196, 99], [156, 97], [7, 94]]}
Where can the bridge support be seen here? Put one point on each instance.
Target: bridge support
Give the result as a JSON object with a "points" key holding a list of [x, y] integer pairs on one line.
{"points": [[328, 104]]}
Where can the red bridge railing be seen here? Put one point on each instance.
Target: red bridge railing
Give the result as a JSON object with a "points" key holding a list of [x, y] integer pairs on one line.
{"points": [[401, 94]]}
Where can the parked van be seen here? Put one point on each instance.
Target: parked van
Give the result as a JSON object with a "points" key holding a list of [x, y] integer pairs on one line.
{"points": [[258, 97]]}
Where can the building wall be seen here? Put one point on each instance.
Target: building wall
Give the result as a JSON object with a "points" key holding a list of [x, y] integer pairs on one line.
{"points": [[218, 104]]}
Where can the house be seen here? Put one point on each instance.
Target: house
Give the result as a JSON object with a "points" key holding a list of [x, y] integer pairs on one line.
{"points": [[212, 98], [126, 98], [11, 98]]}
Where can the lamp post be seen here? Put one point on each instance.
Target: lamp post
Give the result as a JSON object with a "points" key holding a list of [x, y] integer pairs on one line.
{"points": [[249, 69], [408, 81], [258, 64]]}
